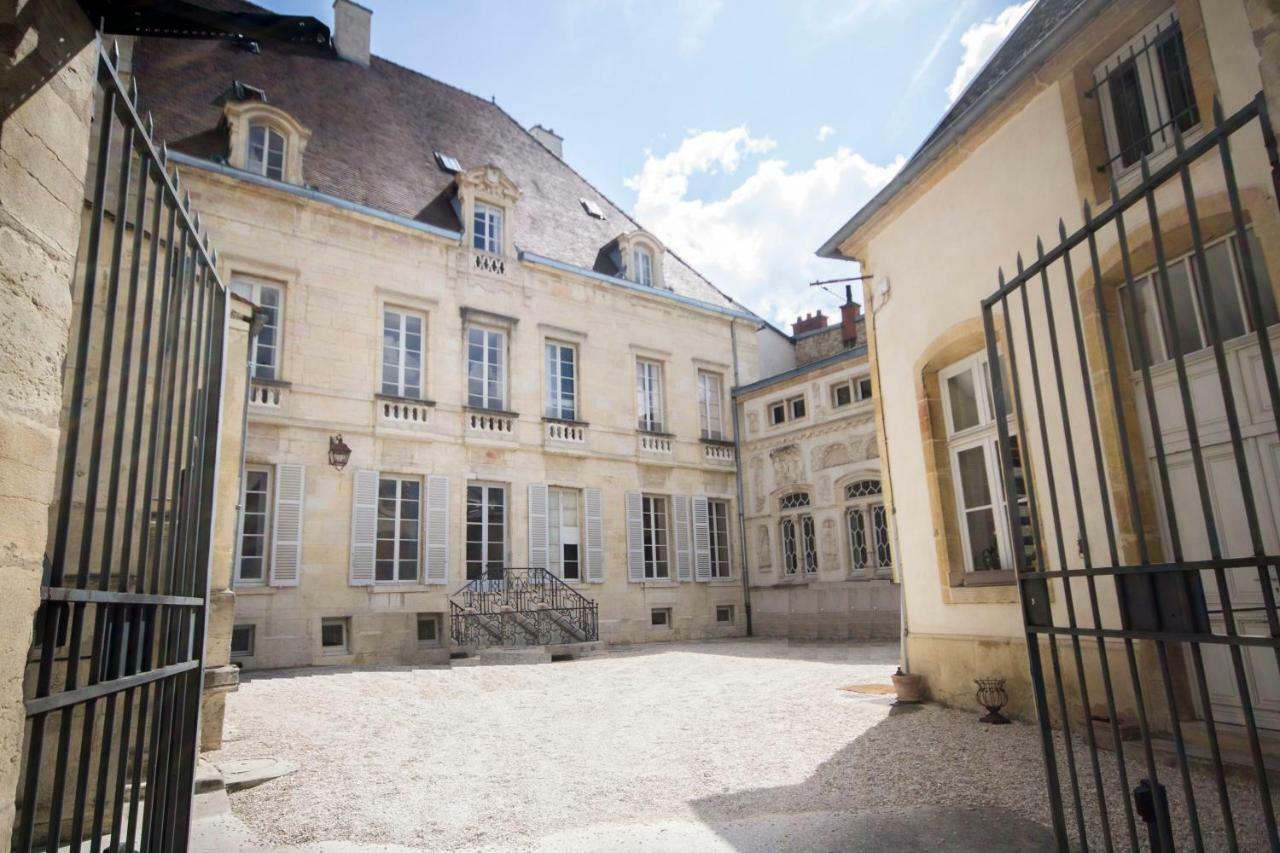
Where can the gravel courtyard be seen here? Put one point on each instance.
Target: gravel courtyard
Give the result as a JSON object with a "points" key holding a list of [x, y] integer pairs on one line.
{"points": [[733, 741]]}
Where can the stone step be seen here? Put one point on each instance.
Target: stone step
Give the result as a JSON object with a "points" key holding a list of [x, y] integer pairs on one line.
{"points": [[494, 656]]}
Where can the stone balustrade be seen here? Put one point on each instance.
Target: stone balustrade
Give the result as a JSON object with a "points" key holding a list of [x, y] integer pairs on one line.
{"points": [[266, 396], [403, 414], [499, 425], [567, 433], [655, 444], [718, 454], [492, 264]]}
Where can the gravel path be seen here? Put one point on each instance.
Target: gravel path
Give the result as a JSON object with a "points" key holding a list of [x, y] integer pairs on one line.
{"points": [[712, 733]]}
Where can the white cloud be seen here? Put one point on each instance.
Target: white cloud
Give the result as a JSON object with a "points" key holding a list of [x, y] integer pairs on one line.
{"points": [[757, 242], [980, 41], [695, 18], [826, 132]]}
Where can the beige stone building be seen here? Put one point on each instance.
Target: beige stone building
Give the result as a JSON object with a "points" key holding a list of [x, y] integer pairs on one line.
{"points": [[819, 553]]}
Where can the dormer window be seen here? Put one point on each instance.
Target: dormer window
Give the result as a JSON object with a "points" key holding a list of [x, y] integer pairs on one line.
{"points": [[266, 155], [487, 228], [638, 256], [642, 266]]}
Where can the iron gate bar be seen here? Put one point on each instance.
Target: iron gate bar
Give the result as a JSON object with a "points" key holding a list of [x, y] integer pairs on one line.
{"points": [[1168, 592]]}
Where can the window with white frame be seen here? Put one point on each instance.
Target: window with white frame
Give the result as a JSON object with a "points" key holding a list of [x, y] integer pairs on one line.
{"points": [[486, 368], [486, 531], [252, 560], [265, 357], [399, 528], [975, 470], [1146, 309], [790, 409], [266, 151], [402, 336], [649, 394], [1144, 92], [487, 228], [564, 533], [798, 535], [655, 527], [642, 265], [711, 404], [718, 536], [867, 527], [562, 381]]}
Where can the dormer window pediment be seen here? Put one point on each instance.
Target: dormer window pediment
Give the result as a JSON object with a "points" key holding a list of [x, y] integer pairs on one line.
{"points": [[266, 140], [486, 203]]}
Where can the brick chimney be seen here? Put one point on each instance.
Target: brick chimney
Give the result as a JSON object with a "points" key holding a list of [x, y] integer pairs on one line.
{"points": [[809, 323], [850, 312], [351, 27]]}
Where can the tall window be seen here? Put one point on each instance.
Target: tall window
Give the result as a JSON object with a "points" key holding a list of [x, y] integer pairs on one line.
{"points": [[562, 381], [1143, 304], [718, 530], [401, 354], [710, 404], [255, 527], [867, 525], [1144, 92], [486, 531], [487, 228], [266, 152], [399, 528], [798, 535], [657, 565], [564, 533], [642, 265], [486, 379], [649, 394], [975, 468], [265, 359]]}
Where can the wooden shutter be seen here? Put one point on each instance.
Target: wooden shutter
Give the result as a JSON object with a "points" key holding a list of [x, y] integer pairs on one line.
{"points": [[701, 540], [286, 525], [364, 527], [593, 516], [684, 553], [635, 537], [538, 538], [436, 529]]}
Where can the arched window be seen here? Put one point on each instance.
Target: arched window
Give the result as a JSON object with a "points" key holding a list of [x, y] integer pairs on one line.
{"points": [[797, 534], [867, 526], [266, 151]]}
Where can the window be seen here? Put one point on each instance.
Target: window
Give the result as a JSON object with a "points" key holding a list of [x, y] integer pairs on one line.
{"points": [[642, 266], [793, 408], [428, 629], [486, 531], [334, 635], [255, 525], [486, 377], [1144, 91], [564, 533], [1143, 304], [799, 537], [796, 407], [841, 395], [399, 529], [718, 533], [448, 162], [401, 354], [242, 642], [711, 404], [724, 614], [265, 359], [867, 526], [975, 469], [778, 413], [660, 617], [562, 381], [862, 389], [654, 525], [266, 152], [649, 394], [487, 229]]}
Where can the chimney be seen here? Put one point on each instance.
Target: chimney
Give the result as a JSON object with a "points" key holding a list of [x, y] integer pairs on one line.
{"points": [[550, 140], [850, 312], [351, 26], [809, 323]]}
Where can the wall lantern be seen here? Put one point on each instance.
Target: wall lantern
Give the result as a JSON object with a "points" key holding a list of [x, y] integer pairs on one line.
{"points": [[339, 453]]}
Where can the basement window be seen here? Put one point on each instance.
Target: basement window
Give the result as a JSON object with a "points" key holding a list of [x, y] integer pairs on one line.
{"points": [[428, 629], [335, 635], [242, 642], [724, 614], [660, 617]]}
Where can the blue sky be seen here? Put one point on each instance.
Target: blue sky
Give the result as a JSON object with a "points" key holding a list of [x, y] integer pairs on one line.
{"points": [[742, 132]]}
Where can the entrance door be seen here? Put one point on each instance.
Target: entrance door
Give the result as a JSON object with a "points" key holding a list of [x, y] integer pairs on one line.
{"points": [[486, 531]]}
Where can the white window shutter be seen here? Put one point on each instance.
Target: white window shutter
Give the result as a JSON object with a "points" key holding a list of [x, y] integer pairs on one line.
{"points": [[684, 555], [286, 529], [364, 527], [538, 538], [635, 537], [593, 504], [436, 533], [701, 540]]}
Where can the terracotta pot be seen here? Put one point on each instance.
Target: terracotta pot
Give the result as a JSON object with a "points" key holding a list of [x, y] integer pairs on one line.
{"points": [[909, 686]]}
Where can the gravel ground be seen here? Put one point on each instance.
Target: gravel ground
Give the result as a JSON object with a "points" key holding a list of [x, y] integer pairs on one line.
{"points": [[500, 756]]}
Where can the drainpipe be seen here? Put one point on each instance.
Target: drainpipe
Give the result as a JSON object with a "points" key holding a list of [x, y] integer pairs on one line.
{"points": [[737, 465]]}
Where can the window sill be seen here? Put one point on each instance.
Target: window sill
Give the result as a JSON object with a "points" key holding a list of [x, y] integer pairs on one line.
{"points": [[1003, 577], [499, 412], [657, 583], [566, 421], [656, 433], [416, 401], [254, 589], [274, 383], [717, 442]]}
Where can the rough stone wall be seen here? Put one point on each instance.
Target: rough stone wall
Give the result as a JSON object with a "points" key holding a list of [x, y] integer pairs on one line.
{"points": [[46, 85], [815, 345]]}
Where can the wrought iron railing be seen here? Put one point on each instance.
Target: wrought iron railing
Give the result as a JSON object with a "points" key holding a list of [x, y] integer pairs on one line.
{"points": [[521, 607]]}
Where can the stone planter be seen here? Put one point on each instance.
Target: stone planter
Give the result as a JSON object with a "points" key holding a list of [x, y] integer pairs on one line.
{"points": [[909, 687]]}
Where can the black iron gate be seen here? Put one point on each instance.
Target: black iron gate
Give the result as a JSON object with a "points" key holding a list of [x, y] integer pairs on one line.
{"points": [[114, 678], [1137, 399]]}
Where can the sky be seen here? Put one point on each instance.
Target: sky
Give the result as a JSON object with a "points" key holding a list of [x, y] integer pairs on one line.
{"points": [[743, 133]]}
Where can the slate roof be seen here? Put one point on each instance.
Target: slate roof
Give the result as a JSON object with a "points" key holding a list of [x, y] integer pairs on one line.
{"points": [[374, 134]]}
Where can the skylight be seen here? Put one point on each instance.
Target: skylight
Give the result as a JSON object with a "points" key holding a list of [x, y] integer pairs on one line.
{"points": [[448, 163], [593, 210]]}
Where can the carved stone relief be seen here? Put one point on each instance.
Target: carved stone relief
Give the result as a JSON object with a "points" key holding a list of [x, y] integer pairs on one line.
{"points": [[831, 455], [824, 489], [873, 448], [757, 482], [788, 465], [753, 422], [764, 554], [829, 543]]}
